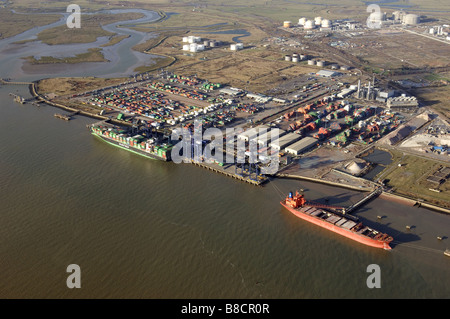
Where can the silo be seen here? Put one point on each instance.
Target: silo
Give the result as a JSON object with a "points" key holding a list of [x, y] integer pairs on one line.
{"points": [[287, 24], [301, 21], [411, 19], [309, 25]]}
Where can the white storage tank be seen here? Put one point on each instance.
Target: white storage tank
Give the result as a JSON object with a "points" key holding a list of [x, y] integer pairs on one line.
{"points": [[411, 19], [318, 20], [326, 23], [320, 63], [311, 62], [301, 21], [287, 24], [233, 47], [287, 58], [186, 47], [309, 25], [193, 47], [185, 39]]}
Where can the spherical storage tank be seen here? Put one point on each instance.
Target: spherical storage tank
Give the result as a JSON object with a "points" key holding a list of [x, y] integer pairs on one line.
{"points": [[309, 24], [411, 19]]}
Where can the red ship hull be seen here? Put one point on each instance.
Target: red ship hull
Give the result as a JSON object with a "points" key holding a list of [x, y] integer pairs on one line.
{"points": [[339, 226]]}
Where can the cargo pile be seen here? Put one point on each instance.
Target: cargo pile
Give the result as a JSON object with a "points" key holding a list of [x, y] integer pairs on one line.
{"points": [[191, 94], [139, 101], [185, 80], [122, 138], [250, 108]]}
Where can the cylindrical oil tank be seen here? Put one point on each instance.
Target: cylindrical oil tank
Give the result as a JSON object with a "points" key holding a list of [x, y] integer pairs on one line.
{"points": [[318, 20], [287, 24], [311, 62], [212, 44], [185, 39], [398, 15], [287, 58], [206, 43], [320, 63], [411, 19], [301, 21], [186, 47], [376, 17], [326, 23], [303, 56], [295, 59], [309, 24]]}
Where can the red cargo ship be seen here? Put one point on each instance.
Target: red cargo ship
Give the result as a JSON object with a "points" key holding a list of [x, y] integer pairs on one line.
{"points": [[337, 223]]}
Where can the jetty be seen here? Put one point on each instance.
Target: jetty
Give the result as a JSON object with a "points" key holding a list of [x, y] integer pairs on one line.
{"points": [[232, 170], [66, 117], [364, 200]]}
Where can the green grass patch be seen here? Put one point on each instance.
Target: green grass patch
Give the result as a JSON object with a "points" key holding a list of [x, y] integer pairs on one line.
{"points": [[93, 55]]}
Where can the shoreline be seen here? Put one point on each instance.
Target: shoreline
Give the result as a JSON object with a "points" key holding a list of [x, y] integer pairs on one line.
{"points": [[385, 195]]}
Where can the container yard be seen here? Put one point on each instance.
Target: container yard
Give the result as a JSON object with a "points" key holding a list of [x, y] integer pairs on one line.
{"points": [[313, 119]]}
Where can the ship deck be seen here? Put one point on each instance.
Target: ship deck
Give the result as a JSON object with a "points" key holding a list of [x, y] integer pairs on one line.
{"points": [[339, 221]]}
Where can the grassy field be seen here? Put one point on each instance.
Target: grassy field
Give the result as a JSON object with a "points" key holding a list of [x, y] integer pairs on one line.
{"points": [[411, 179], [93, 55], [64, 86], [89, 32], [12, 24]]}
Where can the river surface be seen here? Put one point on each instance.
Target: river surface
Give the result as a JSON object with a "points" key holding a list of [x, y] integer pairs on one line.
{"points": [[140, 228]]}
